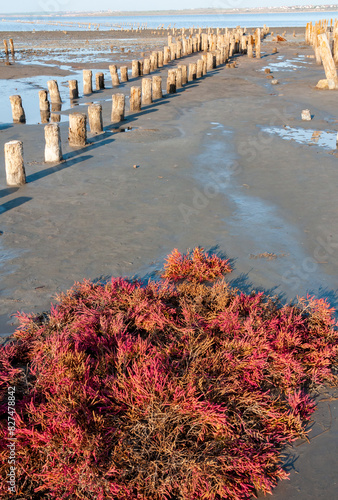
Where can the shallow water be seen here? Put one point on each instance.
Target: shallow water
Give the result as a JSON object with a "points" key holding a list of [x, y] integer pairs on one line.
{"points": [[321, 138]]}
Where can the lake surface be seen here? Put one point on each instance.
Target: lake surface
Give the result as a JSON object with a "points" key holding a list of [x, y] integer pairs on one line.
{"points": [[59, 22]]}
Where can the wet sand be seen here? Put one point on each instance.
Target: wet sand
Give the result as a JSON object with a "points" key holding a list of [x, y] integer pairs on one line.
{"points": [[226, 163]]}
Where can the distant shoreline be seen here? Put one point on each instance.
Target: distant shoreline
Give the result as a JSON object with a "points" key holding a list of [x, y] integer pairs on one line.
{"points": [[183, 12]]}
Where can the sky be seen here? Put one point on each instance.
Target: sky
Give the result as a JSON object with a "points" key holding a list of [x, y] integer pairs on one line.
{"points": [[48, 6]]}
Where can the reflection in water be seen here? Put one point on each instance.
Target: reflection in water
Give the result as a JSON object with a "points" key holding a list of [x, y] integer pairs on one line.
{"points": [[45, 115], [321, 138], [55, 117]]}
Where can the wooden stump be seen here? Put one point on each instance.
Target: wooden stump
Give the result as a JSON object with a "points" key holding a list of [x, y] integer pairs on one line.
{"points": [[43, 100], [77, 129], [179, 83], [199, 71], [166, 55], [258, 43], [99, 81], [11, 44], [160, 58], [184, 73], [118, 108], [6, 47], [157, 87], [171, 81], [17, 109], [53, 90], [135, 99], [328, 62], [210, 61], [53, 151], [146, 66], [87, 81], [192, 72], [135, 69], [146, 91], [95, 118], [15, 169], [114, 75], [73, 89], [124, 73]]}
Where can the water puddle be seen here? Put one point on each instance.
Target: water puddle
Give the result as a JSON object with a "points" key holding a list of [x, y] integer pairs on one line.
{"points": [[310, 137], [287, 64]]}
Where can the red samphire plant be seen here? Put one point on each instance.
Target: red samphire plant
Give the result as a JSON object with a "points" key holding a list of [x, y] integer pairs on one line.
{"points": [[161, 391]]}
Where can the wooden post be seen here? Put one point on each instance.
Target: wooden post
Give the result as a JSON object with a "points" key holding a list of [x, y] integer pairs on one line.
{"points": [[171, 81], [53, 151], [166, 55], [160, 58], [135, 69], [114, 75], [87, 81], [53, 90], [179, 84], [77, 129], [95, 118], [328, 62], [118, 108], [17, 109], [146, 66], [199, 72], [184, 73], [99, 81], [146, 91], [192, 72], [210, 61], [73, 89], [15, 169], [157, 87], [135, 99], [124, 73], [11, 44], [43, 100], [249, 49], [6, 47], [258, 43]]}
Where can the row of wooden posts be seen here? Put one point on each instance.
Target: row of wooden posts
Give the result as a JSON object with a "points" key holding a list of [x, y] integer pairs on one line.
{"points": [[151, 89], [323, 37], [11, 45]]}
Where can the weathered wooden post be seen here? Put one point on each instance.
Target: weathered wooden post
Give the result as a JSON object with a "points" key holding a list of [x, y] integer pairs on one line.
{"points": [[171, 81], [146, 91], [210, 61], [146, 66], [53, 151], [249, 49], [17, 109], [73, 89], [87, 81], [157, 87], [124, 73], [135, 69], [179, 84], [183, 68], [160, 58], [328, 62], [15, 169], [135, 99], [192, 72], [199, 71], [99, 81], [166, 55], [114, 75], [95, 118], [118, 108], [6, 47], [77, 129], [11, 44], [43, 100], [258, 43], [53, 90]]}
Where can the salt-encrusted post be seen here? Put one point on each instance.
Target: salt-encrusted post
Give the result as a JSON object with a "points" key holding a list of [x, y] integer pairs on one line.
{"points": [[166, 55], [15, 169], [53, 151], [11, 44], [146, 91], [135, 99], [146, 66], [53, 90], [77, 129], [87, 81], [99, 81], [43, 100], [157, 87], [118, 108], [328, 62], [73, 89], [160, 58], [135, 68], [124, 73], [199, 72], [258, 43], [114, 76], [210, 61], [171, 81], [184, 73], [249, 49], [17, 109], [179, 84], [95, 118]]}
